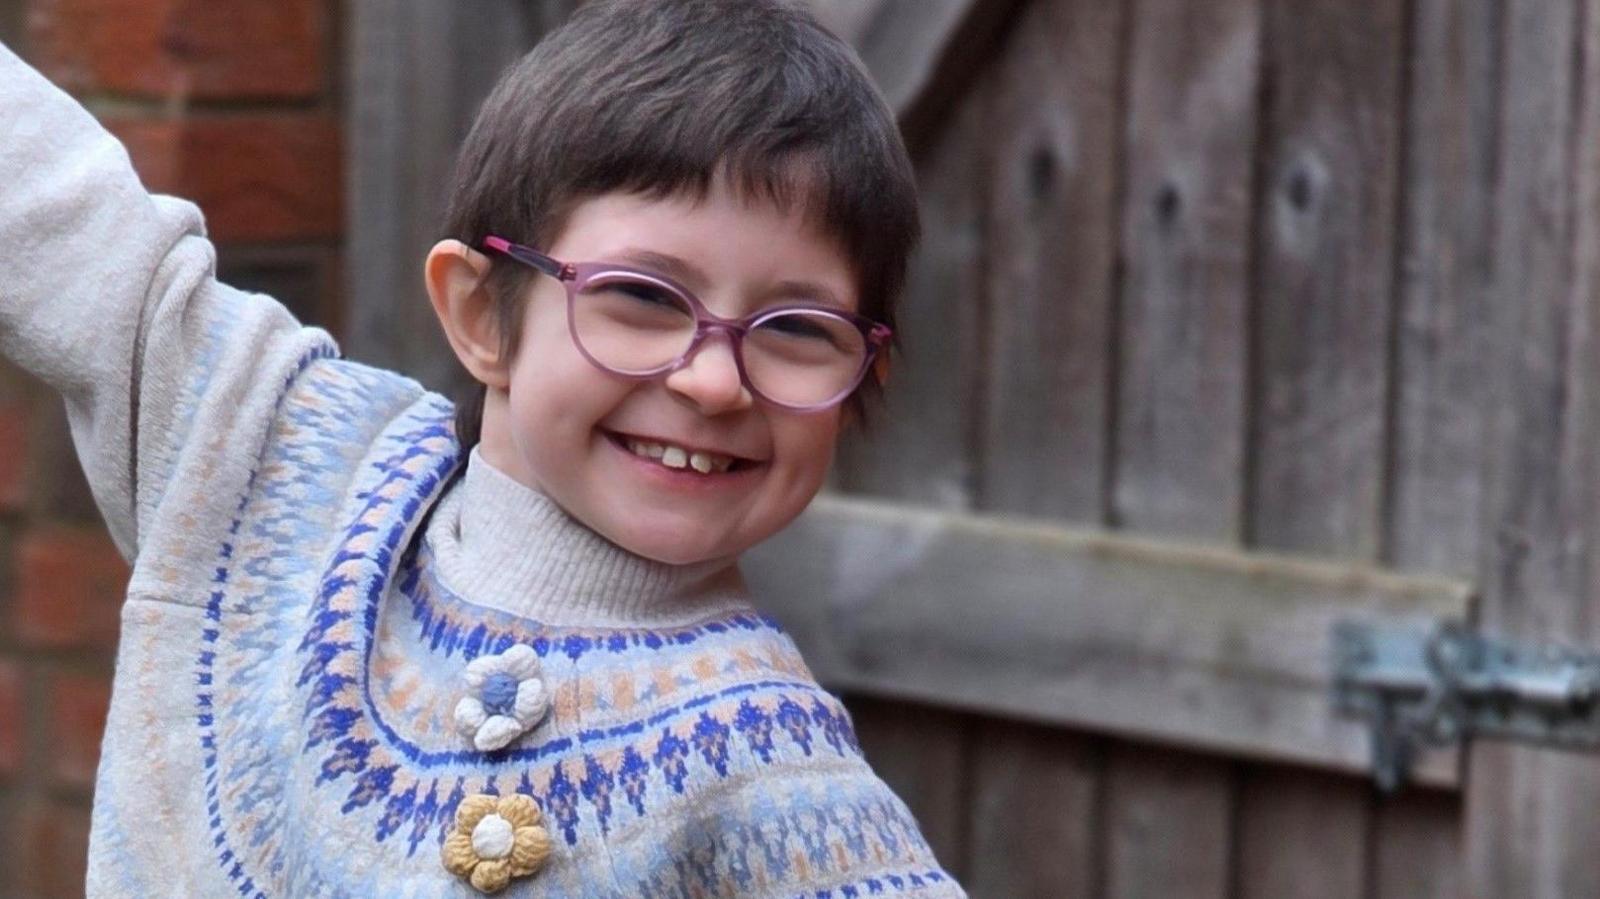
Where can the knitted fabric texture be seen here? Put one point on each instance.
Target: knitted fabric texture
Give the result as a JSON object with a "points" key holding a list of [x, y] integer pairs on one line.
{"points": [[311, 585]]}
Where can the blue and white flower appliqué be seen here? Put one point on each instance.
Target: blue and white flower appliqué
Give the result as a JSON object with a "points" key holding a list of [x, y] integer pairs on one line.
{"points": [[505, 698]]}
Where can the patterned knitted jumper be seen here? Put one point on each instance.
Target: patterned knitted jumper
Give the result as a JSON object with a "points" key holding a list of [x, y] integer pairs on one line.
{"points": [[315, 566]]}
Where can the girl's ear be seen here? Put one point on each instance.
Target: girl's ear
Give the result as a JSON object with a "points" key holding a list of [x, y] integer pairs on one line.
{"points": [[880, 368], [454, 273]]}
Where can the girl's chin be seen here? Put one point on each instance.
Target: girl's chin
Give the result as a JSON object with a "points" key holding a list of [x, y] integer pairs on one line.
{"points": [[667, 549]]}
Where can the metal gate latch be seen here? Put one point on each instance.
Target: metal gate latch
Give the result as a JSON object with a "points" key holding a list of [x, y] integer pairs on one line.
{"points": [[1450, 684]]}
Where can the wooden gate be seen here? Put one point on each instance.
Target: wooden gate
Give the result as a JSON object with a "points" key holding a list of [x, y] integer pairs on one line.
{"points": [[1235, 318]]}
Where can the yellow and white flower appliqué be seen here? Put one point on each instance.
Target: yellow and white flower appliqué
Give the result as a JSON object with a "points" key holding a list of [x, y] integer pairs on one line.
{"points": [[496, 839], [505, 698]]}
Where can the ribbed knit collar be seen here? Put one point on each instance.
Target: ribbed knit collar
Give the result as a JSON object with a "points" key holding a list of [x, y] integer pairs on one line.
{"points": [[500, 544]]}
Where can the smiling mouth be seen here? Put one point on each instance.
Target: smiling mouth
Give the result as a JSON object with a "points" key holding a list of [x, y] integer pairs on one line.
{"points": [[680, 458]]}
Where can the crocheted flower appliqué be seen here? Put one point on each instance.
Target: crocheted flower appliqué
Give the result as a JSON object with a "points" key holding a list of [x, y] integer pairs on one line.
{"points": [[495, 839], [505, 698]]}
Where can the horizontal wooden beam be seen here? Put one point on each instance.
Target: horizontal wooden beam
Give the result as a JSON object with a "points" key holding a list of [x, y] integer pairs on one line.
{"points": [[1200, 647]]}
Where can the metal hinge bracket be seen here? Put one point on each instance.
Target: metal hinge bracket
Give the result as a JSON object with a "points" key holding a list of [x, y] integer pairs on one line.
{"points": [[1449, 684]]}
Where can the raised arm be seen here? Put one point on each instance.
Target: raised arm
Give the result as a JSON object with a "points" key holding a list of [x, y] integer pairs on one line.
{"points": [[109, 295]]}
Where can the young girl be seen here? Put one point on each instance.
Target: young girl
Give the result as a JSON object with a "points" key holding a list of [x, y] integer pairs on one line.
{"points": [[377, 646]]}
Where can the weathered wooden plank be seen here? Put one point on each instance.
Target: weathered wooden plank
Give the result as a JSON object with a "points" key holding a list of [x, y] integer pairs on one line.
{"points": [[1531, 825], [1204, 647], [1444, 321], [921, 53], [1147, 857], [1417, 846], [384, 230], [921, 753], [903, 42], [1302, 834], [418, 72], [1049, 262], [917, 445], [1186, 238], [1035, 828], [1180, 425], [1325, 275], [1445, 333], [1052, 115]]}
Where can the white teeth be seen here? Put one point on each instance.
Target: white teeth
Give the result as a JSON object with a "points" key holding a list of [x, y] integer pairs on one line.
{"points": [[678, 457]]}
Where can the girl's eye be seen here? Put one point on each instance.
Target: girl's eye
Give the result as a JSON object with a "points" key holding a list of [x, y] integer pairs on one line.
{"points": [[798, 326], [644, 293]]}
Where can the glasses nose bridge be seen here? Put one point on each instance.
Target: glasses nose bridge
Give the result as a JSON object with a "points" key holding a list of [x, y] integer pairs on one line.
{"points": [[704, 328], [708, 325]]}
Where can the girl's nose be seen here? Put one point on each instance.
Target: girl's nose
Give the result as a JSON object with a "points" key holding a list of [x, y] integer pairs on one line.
{"points": [[710, 378]]}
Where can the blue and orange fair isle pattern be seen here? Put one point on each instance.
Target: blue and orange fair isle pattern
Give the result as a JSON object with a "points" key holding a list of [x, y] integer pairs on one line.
{"points": [[701, 760]]}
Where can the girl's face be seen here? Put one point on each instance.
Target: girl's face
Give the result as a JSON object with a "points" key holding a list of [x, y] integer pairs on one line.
{"points": [[568, 429]]}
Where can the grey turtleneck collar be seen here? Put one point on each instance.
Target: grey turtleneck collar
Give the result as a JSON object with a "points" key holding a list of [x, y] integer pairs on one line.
{"points": [[507, 546]]}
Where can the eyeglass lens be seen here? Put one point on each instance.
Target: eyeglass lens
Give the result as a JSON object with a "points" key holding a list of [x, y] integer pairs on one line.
{"points": [[796, 357]]}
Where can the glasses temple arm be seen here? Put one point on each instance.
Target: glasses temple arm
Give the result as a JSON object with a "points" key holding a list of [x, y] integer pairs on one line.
{"points": [[526, 255]]}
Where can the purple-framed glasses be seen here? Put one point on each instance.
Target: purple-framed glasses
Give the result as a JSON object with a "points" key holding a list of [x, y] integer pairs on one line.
{"points": [[638, 324]]}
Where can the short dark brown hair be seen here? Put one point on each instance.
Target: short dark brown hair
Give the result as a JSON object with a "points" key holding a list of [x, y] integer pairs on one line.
{"points": [[664, 97]]}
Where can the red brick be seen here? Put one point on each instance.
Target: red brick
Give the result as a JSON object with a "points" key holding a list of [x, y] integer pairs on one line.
{"points": [[51, 848], [11, 722], [78, 705], [213, 49], [257, 177], [13, 454], [70, 586]]}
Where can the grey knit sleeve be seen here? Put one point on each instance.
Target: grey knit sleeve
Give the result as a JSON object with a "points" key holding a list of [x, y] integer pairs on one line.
{"points": [[108, 294]]}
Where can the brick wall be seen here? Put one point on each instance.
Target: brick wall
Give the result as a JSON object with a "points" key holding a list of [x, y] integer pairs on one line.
{"points": [[231, 103]]}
